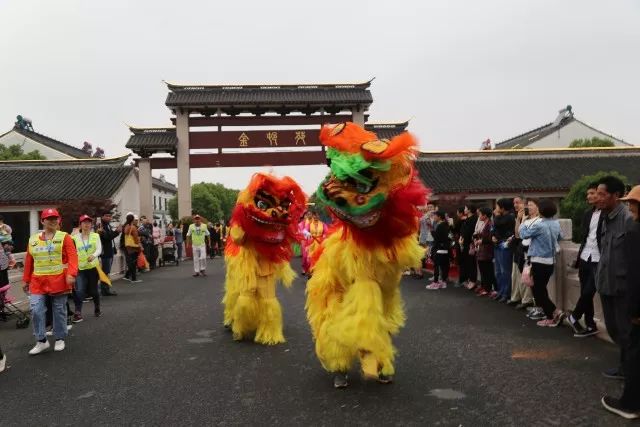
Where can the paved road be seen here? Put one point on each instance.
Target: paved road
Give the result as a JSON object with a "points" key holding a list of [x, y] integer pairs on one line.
{"points": [[159, 356]]}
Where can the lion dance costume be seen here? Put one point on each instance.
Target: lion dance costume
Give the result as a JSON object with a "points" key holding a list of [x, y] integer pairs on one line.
{"points": [[263, 227], [353, 303]]}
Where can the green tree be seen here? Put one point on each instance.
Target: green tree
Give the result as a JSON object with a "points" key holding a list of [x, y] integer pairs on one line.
{"points": [[205, 202], [212, 201], [15, 152], [593, 142], [575, 204], [173, 208]]}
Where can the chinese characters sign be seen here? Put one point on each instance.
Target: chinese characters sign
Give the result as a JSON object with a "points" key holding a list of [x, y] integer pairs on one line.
{"points": [[272, 137], [244, 140], [255, 139]]}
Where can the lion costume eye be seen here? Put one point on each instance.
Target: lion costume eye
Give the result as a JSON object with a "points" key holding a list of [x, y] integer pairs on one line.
{"points": [[363, 188], [262, 205]]}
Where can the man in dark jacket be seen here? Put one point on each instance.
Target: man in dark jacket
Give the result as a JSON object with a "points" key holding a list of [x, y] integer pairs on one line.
{"points": [[107, 234], [628, 406], [587, 263], [611, 276]]}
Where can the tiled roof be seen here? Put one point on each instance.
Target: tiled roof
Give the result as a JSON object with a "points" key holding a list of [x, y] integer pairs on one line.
{"points": [[157, 182], [47, 182], [313, 95], [522, 170], [532, 136], [387, 130], [152, 139], [52, 143]]}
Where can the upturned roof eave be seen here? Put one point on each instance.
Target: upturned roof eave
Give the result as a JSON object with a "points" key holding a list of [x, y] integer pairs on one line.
{"points": [[110, 161], [239, 86]]}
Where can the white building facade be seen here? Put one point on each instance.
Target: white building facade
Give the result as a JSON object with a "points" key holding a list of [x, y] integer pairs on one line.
{"points": [[560, 133], [162, 191]]}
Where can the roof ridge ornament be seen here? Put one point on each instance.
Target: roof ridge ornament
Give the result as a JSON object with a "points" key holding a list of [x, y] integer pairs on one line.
{"points": [[24, 123], [335, 85], [563, 114]]}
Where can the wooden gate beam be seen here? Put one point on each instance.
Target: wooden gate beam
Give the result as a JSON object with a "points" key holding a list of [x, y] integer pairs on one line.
{"points": [[289, 158]]}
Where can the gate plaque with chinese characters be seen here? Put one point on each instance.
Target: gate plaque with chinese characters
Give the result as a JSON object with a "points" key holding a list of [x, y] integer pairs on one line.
{"points": [[254, 139]]}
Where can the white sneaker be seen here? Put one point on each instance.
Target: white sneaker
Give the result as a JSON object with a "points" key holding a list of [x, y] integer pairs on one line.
{"points": [[69, 326], [39, 348], [59, 345], [3, 363], [50, 333], [443, 284], [434, 286]]}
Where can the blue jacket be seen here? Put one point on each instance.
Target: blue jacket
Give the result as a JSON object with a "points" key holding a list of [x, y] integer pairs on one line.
{"points": [[544, 235]]}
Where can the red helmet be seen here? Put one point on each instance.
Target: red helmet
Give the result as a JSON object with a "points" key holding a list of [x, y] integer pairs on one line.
{"points": [[49, 213], [85, 218]]}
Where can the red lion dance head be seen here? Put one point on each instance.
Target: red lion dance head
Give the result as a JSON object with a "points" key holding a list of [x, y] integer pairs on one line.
{"points": [[268, 212], [372, 190]]}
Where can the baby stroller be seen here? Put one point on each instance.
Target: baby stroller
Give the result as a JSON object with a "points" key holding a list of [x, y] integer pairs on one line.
{"points": [[8, 308], [169, 251]]}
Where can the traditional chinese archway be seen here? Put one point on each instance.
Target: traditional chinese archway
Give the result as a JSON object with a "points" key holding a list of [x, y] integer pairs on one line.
{"points": [[232, 114]]}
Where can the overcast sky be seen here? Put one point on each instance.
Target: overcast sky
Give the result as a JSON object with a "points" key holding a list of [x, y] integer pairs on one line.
{"points": [[462, 71]]}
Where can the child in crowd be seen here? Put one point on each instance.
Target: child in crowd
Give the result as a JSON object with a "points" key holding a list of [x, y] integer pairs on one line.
{"points": [[5, 231]]}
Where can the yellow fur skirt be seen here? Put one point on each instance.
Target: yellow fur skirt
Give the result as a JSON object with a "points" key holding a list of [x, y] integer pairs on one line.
{"points": [[250, 303], [354, 304]]}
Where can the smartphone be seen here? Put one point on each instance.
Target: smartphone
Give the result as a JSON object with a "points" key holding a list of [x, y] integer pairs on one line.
{"points": [[526, 211]]}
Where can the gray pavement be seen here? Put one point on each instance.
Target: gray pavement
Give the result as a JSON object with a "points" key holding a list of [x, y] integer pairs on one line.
{"points": [[159, 356]]}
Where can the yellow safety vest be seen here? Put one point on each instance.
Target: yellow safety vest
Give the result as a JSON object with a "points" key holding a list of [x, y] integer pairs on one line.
{"points": [[85, 249], [47, 254], [197, 234]]}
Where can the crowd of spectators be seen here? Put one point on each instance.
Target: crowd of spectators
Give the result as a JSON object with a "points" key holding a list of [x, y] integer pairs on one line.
{"points": [[509, 254]]}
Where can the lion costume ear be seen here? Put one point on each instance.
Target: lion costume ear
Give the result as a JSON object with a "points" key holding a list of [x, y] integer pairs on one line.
{"points": [[350, 138], [378, 146], [335, 130], [346, 137], [385, 149]]}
